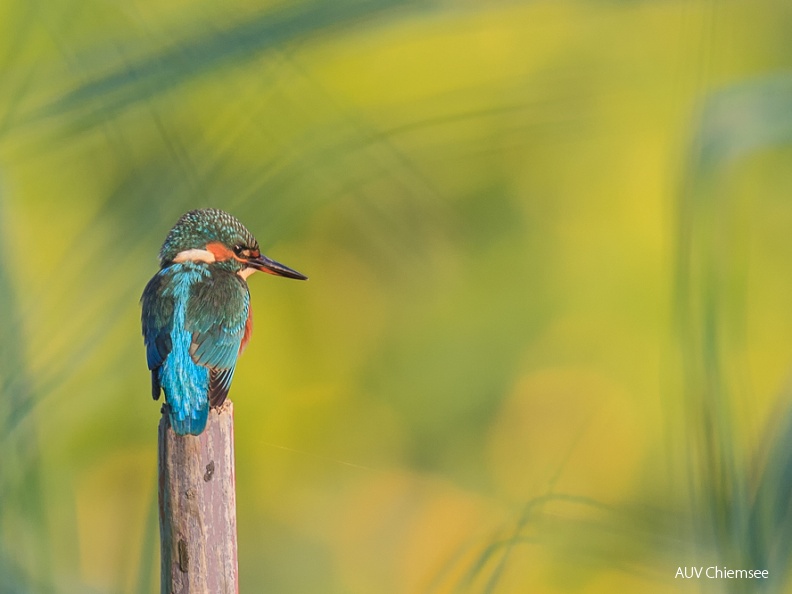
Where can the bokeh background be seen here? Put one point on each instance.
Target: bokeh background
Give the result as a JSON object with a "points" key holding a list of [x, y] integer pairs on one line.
{"points": [[546, 342]]}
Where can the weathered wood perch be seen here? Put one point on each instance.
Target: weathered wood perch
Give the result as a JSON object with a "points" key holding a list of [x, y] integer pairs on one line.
{"points": [[197, 507]]}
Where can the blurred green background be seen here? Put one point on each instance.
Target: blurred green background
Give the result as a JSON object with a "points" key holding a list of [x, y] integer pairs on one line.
{"points": [[547, 338]]}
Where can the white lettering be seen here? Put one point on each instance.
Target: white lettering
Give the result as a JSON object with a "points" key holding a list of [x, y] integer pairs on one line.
{"points": [[715, 572]]}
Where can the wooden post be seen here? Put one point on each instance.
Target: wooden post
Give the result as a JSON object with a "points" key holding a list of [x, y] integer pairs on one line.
{"points": [[197, 507]]}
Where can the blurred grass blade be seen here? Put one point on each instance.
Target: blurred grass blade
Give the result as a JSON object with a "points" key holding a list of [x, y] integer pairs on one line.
{"points": [[731, 525], [157, 73], [20, 473]]}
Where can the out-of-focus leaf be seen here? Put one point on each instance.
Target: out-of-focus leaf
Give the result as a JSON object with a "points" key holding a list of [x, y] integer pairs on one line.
{"points": [[747, 117]]}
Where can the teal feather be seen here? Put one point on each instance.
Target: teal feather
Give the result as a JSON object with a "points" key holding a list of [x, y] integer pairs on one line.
{"points": [[194, 319]]}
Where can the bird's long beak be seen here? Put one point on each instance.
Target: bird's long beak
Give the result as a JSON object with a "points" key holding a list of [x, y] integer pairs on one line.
{"points": [[264, 264]]}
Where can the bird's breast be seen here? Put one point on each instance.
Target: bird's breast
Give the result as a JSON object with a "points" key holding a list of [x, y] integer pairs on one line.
{"points": [[248, 330]]}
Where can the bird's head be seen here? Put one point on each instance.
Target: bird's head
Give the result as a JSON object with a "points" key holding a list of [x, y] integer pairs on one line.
{"points": [[214, 236]]}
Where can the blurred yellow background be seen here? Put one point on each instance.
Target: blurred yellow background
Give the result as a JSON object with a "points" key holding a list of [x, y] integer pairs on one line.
{"points": [[546, 342]]}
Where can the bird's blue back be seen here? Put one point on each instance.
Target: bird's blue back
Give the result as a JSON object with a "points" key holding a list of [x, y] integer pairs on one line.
{"points": [[193, 320]]}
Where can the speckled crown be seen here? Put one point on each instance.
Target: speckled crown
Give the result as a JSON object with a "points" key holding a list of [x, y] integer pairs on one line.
{"points": [[198, 227]]}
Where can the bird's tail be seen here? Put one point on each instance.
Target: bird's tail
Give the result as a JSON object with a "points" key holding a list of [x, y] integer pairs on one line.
{"points": [[192, 423], [185, 385]]}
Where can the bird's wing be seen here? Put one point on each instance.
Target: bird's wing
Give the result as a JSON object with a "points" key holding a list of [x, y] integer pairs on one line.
{"points": [[219, 385], [217, 312], [157, 319]]}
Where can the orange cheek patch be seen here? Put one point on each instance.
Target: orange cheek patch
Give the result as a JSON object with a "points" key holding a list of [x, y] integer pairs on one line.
{"points": [[221, 252]]}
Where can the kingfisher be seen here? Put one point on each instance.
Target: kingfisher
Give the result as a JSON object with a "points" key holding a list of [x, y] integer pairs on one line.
{"points": [[196, 313]]}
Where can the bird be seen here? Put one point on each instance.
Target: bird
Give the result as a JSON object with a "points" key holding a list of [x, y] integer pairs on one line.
{"points": [[196, 313]]}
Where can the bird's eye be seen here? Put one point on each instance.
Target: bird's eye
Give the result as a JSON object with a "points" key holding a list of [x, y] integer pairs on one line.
{"points": [[242, 252]]}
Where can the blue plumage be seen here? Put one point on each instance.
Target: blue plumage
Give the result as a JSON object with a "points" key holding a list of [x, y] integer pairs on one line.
{"points": [[196, 313], [184, 382]]}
